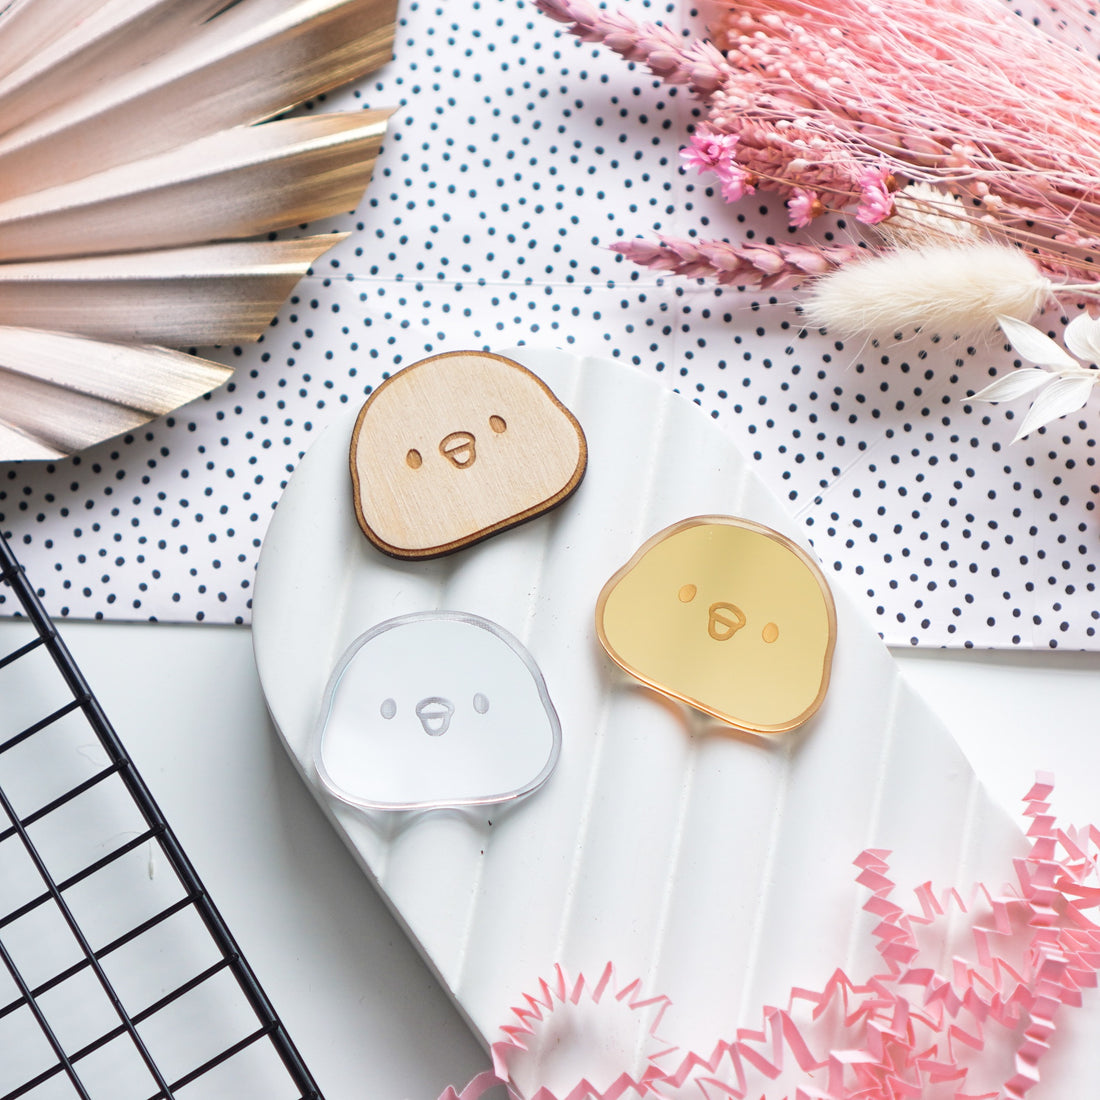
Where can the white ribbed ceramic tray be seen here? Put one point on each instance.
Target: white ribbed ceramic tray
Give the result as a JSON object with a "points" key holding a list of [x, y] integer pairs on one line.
{"points": [[715, 866]]}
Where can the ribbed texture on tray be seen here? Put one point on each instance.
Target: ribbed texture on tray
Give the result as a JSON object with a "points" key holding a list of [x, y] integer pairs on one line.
{"points": [[712, 865]]}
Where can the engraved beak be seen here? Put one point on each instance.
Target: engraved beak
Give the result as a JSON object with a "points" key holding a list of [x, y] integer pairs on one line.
{"points": [[724, 620], [460, 448], [435, 715]]}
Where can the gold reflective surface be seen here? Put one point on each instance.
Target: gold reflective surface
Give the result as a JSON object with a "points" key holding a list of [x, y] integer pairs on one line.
{"points": [[726, 615]]}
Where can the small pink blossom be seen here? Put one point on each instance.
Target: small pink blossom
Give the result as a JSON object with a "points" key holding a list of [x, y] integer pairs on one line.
{"points": [[709, 151], [736, 183], [802, 207], [815, 92], [876, 202]]}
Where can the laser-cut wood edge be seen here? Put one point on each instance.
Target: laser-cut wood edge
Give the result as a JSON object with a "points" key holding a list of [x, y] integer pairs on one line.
{"points": [[441, 550]]}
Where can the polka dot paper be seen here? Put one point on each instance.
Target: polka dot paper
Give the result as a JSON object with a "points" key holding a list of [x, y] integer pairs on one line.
{"points": [[515, 157]]}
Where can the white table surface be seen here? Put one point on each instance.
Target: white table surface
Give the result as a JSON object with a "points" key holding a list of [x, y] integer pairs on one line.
{"points": [[365, 1012]]}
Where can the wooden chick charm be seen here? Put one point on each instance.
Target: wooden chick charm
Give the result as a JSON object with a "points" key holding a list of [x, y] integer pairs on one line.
{"points": [[457, 447]]}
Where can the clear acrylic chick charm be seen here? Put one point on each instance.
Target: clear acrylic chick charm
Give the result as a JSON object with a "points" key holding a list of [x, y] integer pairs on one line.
{"points": [[435, 709]]}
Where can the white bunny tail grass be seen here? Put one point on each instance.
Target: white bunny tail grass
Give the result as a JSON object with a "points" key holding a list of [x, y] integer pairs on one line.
{"points": [[946, 290]]}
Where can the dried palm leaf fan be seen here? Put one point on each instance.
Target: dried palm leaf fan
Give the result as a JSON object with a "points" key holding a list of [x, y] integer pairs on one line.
{"points": [[139, 148]]}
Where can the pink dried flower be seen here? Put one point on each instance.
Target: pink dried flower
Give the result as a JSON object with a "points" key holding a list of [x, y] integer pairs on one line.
{"points": [[709, 151], [959, 93], [714, 152], [736, 183], [876, 202], [847, 104], [779, 157], [802, 207]]}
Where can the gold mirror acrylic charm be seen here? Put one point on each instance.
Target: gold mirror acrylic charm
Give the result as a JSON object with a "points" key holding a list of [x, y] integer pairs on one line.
{"points": [[727, 616], [458, 447]]}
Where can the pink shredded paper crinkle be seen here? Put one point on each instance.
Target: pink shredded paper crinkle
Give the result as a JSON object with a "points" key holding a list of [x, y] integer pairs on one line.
{"points": [[917, 1030]]}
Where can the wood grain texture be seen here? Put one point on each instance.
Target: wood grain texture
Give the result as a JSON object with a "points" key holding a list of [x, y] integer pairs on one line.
{"points": [[457, 447]]}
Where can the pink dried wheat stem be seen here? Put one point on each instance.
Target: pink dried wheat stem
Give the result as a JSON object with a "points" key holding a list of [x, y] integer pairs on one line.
{"points": [[960, 93], [963, 94], [698, 64], [755, 265], [766, 151]]}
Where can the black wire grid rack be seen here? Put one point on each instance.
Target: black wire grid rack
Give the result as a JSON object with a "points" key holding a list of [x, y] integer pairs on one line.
{"points": [[119, 978]]}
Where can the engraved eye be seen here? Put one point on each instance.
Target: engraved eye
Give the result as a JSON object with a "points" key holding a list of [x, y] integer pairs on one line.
{"points": [[413, 459], [497, 424], [481, 703], [687, 593], [770, 633]]}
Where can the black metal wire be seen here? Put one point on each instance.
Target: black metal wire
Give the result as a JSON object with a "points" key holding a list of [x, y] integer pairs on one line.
{"points": [[269, 1028]]}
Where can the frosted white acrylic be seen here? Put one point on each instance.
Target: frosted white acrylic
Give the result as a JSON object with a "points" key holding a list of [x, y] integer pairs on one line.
{"points": [[432, 710]]}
